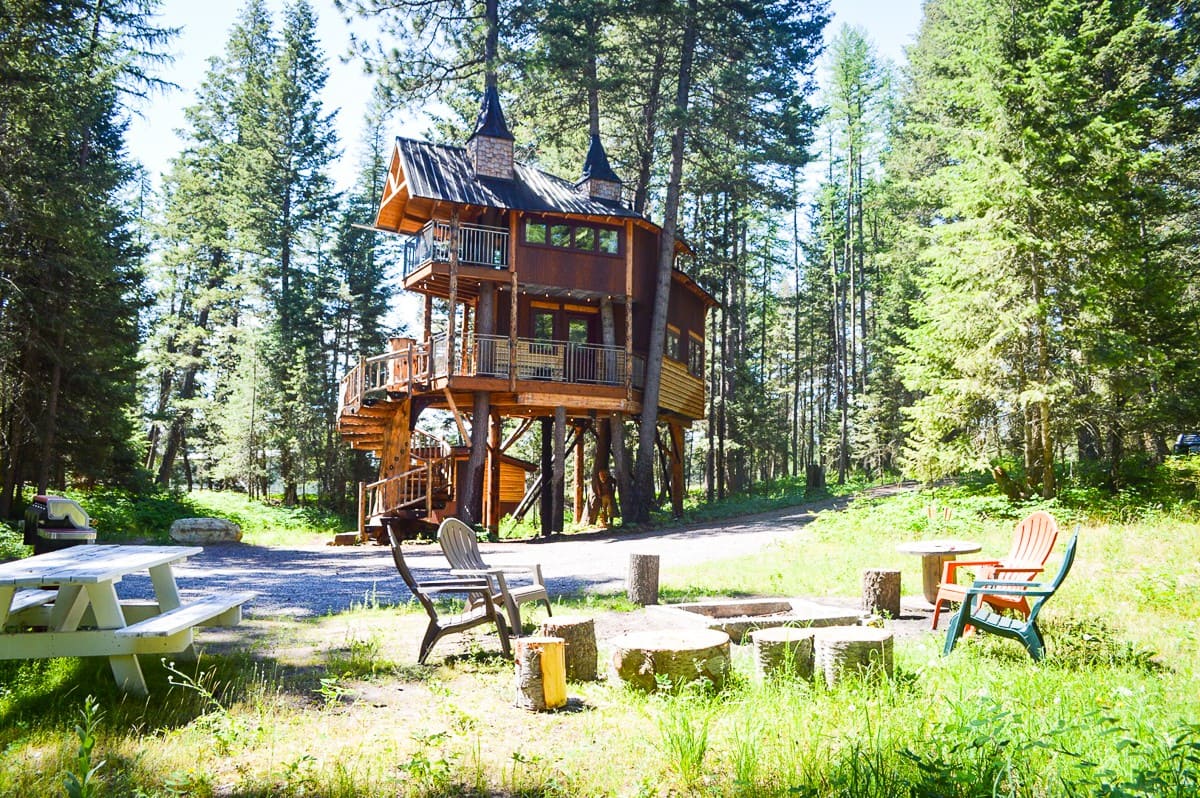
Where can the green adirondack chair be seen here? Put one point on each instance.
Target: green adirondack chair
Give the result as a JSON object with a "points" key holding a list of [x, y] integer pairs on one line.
{"points": [[974, 612]]}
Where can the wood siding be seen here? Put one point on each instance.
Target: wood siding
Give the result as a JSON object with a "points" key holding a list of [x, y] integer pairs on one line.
{"points": [[681, 392]]}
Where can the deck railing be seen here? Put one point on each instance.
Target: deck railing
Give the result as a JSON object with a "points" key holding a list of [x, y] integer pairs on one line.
{"points": [[426, 480], [478, 245], [413, 365]]}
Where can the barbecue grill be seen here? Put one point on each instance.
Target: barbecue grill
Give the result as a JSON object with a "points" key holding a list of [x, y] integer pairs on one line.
{"points": [[53, 523]]}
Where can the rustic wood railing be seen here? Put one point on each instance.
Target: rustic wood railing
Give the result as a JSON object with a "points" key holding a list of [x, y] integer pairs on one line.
{"points": [[427, 478], [413, 365]]}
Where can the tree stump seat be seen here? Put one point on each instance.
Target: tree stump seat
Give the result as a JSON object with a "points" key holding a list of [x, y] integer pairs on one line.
{"points": [[641, 659], [783, 650], [881, 592], [579, 637], [541, 673], [840, 651]]}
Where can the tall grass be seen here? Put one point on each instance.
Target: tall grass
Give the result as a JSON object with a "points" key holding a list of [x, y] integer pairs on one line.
{"points": [[334, 706]]}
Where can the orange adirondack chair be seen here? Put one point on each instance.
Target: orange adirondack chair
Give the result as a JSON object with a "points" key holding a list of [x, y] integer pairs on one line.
{"points": [[1033, 540]]}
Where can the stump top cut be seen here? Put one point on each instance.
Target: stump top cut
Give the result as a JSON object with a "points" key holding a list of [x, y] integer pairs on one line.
{"points": [[672, 640], [542, 640], [782, 634], [865, 634]]}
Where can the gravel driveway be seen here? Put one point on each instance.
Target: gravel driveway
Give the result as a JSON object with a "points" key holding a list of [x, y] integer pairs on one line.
{"points": [[315, 580]]}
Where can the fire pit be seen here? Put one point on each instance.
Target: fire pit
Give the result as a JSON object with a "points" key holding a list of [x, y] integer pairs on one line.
{"points": [[738, 617]]}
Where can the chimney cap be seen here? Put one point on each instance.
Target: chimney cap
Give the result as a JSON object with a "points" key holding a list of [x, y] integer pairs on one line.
{"points": [[491, 118], [595, 166]]}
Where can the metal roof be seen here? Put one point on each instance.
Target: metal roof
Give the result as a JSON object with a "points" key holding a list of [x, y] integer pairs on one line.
{"points": [[596, 165], [444, 173], [491, 118]]}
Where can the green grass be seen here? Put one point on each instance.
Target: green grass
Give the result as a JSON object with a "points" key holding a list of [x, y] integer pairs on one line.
{"points": [[336, 706], [122, 516]]}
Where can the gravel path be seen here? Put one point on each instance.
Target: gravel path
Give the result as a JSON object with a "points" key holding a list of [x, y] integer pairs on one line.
{"points": [[316, 580]]}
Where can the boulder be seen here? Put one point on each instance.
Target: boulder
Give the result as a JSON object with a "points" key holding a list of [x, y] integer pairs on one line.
{"points": [[205, 530]]}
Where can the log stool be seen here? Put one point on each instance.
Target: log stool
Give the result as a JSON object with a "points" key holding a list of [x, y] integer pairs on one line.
{"points": [[641, 658], [842, 650], [642, 581], [783, 650], [579, 637], [541, 673], [881, 592]]}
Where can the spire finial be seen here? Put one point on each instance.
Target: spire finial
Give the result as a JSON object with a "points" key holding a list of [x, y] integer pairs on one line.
{"points": [[491, 117]]}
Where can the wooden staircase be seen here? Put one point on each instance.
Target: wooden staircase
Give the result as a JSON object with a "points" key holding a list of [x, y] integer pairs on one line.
{"points": [[415, 467]]}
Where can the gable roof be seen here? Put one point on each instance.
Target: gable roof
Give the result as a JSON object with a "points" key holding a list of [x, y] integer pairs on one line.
{"points": [[423, 175]]}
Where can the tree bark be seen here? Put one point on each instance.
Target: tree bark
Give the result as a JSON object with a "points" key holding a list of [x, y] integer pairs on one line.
{"points": [[643, 481]]}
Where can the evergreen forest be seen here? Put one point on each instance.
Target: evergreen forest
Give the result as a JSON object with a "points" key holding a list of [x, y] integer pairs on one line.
{"points": [[983, 261]]}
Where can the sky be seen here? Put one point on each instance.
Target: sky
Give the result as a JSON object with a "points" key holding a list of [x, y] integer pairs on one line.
{"points": [[204, 27]]}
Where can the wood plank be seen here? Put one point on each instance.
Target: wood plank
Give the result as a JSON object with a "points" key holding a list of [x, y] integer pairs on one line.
{"points": [[214, 610], [89, 564], [576, 402]]}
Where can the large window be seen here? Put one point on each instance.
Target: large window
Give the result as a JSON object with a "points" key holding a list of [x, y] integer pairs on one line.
{"points": [[583, 237], [560, 235], [535, 233]]}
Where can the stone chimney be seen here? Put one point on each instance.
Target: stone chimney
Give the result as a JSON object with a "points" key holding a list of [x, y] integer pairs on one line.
{"points": [[599, 181], [491, 145]]}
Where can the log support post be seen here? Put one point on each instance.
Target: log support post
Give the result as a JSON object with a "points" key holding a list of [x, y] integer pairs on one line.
{"points": [[675, 454], [560, 468], [546, 498]]}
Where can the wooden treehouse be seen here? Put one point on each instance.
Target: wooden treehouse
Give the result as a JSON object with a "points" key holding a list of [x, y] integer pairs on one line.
{"points": [[549, 289]]}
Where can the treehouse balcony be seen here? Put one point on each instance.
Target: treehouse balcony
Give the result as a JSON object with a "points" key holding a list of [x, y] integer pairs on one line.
{"points": [[483, 254], [585, 375]]}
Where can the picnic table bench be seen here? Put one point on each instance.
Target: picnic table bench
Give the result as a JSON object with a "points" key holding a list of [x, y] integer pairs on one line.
{"points": [[65, 604]]}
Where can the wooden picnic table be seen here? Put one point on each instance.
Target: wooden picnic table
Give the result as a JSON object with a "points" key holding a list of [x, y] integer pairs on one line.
{"points": [[65, 604]]}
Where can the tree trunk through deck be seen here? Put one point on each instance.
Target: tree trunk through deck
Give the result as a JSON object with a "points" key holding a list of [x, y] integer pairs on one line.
{"points": [[471, 505], [643, 478]]}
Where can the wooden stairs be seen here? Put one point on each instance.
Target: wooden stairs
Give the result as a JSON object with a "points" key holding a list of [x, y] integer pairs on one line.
{"points": [[415, 467]]}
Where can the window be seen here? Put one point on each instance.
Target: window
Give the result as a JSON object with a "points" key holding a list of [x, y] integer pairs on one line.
{"points": [[672, 346], [560, 235], [696, 355], [585, 238], [577, 331], [543, 325], [535, 233], [610, 242]]}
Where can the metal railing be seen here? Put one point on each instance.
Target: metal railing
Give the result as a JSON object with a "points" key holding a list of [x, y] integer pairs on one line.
{"points": [[478, 245], [415, 365]]}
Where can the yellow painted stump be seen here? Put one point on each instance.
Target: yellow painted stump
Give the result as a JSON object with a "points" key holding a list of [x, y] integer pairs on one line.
{"points": [[541, 673]]}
